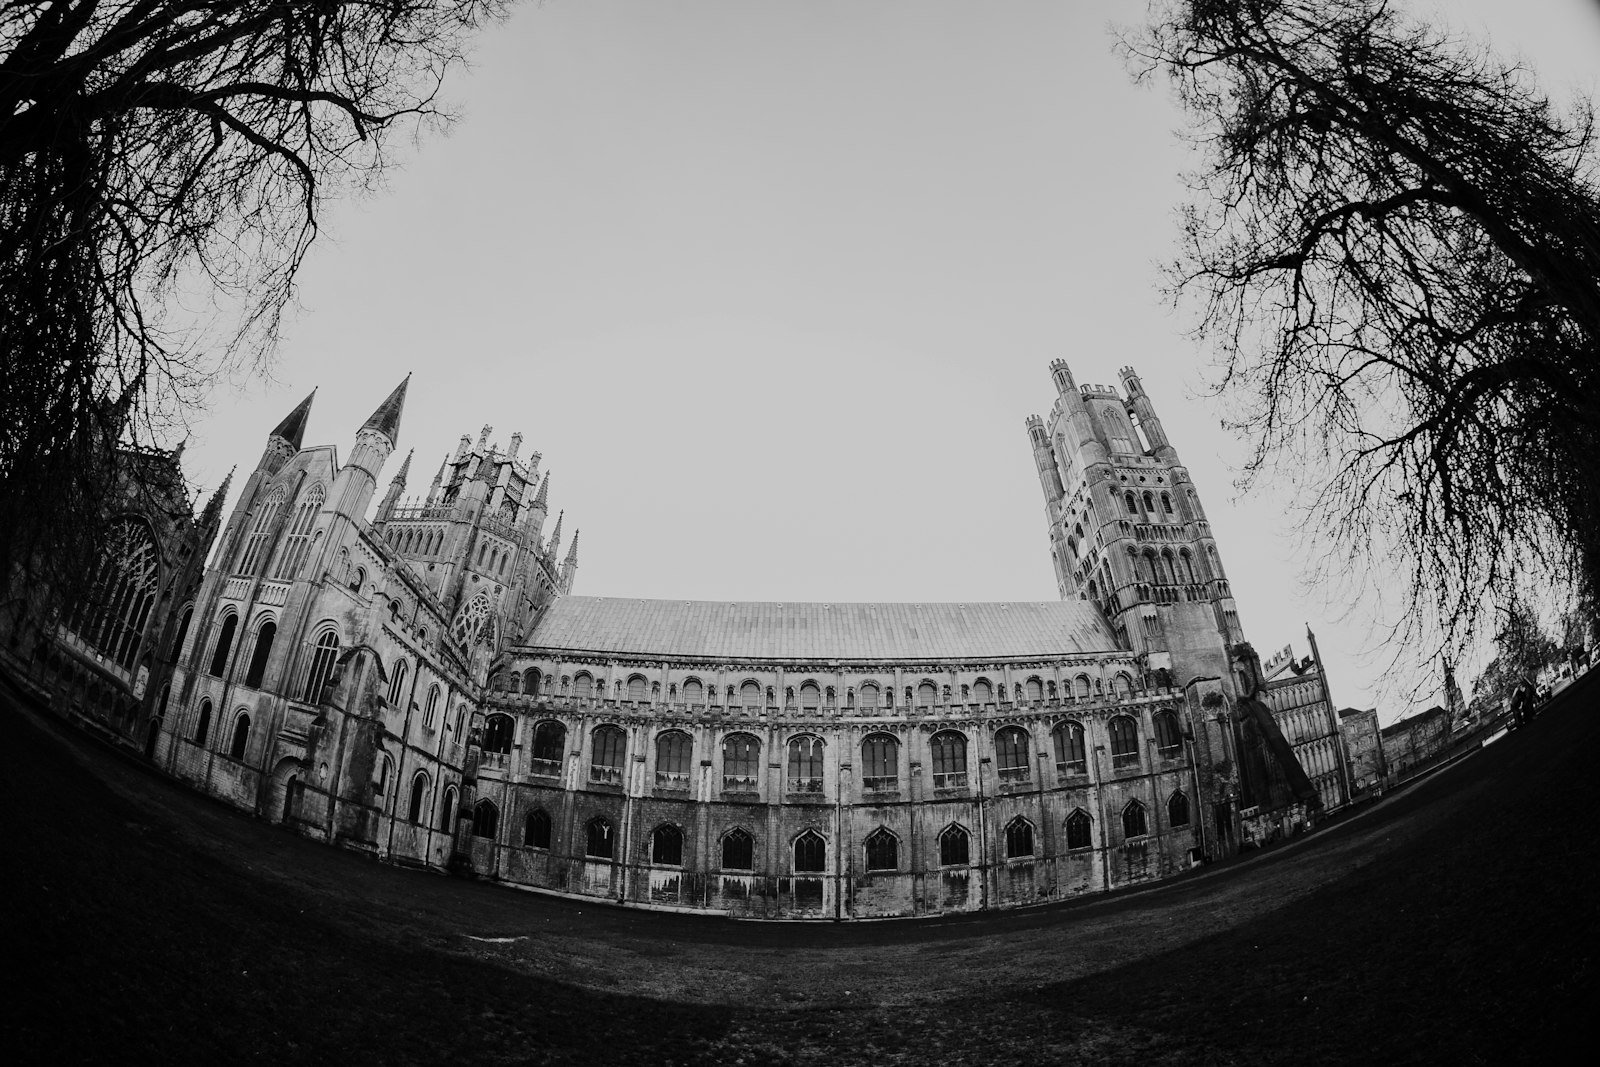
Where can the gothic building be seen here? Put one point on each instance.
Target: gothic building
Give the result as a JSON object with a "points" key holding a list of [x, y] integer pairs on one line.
{"points": [[423, 684]]}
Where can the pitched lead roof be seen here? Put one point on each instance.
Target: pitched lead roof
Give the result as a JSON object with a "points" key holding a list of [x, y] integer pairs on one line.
{"points": [[709, 629]]}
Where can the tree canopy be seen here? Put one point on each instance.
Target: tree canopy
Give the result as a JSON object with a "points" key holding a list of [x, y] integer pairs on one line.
{"points": [[162, 168], [1394, 246]]}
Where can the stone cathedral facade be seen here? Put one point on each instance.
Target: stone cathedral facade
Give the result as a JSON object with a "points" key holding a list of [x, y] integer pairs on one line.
{"points": [[420, 682]]}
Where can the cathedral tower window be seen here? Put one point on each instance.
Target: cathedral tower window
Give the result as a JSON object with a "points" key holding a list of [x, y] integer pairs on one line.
{"points": [[598, 839], [380, 788], [1166, 503], [497, 732], [1084, 689], [955, 846], [536, 829], [296, 545], [738, 850], [810, 696], [241, 736], [1080, 830], [1071, 755], [1121, 686], [1178, 809], [982, 691], [674, 750], [1131, 504], [694, 691], [183, 632], [880, 761], [219, 654], [638, 687], [740, 763], [583, 685], [1019, 838], [325, 652], [1034, 689], [1011, 754], [1133, 820], [202, 725], [949, 750], [810, 853], [447, 810], [883, 851], [666, 845], [397, 684], [530, 681], [610, 749], [265, 634], [431, 708], [549, 741], [419, 797], [471, 620], [867, 695], [485, 819], [927, 695], [805, 764], [1169, 739], [750, 695], [256, 548], [1124, 741]]}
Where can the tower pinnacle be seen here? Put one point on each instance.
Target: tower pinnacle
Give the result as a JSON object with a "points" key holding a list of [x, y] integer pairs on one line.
{"points": [[386, 420]]}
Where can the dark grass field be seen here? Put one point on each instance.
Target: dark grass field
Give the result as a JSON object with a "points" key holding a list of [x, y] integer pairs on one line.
{"points": [[1455, 922]]}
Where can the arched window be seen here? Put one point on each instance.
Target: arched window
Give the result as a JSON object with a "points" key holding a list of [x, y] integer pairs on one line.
{"points": [[880, 761], [202, 725], [295, 546], [1079, 830], [471, 620], [1082, 688], [982, 691], [530, 681], [431, 708], [549, 741], [1178, 809], [583, 684], [536, 829], [750, 695], [497, 731], [1011, 754], [740, 766], [738, 851], [927, 695], [241, 737], [1131, 504], [694, 691], [485, 819], [867, 695], [419, 796], [1166, 503], [324, 655], [397, 684], [638, 687], [380, 788], [255, 548], [219, 654], [1149, 503], [1133, 820], [1169, 739], [1124, 741], [447, 810], [598, 839], [810, 853], [1121, 686], [805, 765], [265, 634], [883, 851], [949, 750], [1034, 690], [1019, 838], [810, 696], [112, 616], [666, 845], [1071, 755], [183, 633], [955, 846], [673, 752], [610, 748]]}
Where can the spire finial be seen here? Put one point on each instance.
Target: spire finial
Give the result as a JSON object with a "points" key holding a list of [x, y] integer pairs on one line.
{"points": [[293, 427], [386, 420]]}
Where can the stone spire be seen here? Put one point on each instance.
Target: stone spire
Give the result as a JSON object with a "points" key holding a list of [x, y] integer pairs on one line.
{"points": [[397, 485], [555, 537], [438, 478], [293, 427], [541, 499], [213, 509], [569, 566], [386, 420]]}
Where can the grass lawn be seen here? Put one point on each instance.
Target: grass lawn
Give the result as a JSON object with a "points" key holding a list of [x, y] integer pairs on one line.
{"points": [[1455, 922]]}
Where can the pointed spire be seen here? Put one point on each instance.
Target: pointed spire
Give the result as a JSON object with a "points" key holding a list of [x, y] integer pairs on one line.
{"points": [[405, 470], [214, 505], [486, 469], [555, 538], [433, 486], [541, 499], [386, 420], [293, 426], [572, 550]]}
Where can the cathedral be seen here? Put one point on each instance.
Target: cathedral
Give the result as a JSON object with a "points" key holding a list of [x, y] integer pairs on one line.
{"points": [[422, 683]]}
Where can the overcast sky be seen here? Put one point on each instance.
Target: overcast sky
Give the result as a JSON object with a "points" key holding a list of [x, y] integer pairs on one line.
{"points": [[773, 286]]}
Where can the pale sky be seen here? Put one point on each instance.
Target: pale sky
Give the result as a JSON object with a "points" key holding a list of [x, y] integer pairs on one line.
{"points": [[773, 286]]}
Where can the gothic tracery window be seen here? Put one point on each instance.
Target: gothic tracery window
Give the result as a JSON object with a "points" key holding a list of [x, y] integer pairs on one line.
{"points": [[297, 543], [261, 532], [111, 618], [471, 621]]}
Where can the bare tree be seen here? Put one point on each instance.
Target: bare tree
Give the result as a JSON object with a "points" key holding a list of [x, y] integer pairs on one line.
{"points": [[162, 167], [1394, 243]]}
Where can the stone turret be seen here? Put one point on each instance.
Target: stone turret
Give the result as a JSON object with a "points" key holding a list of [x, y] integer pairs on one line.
{"points": [[397, 485], [569, 566]]}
